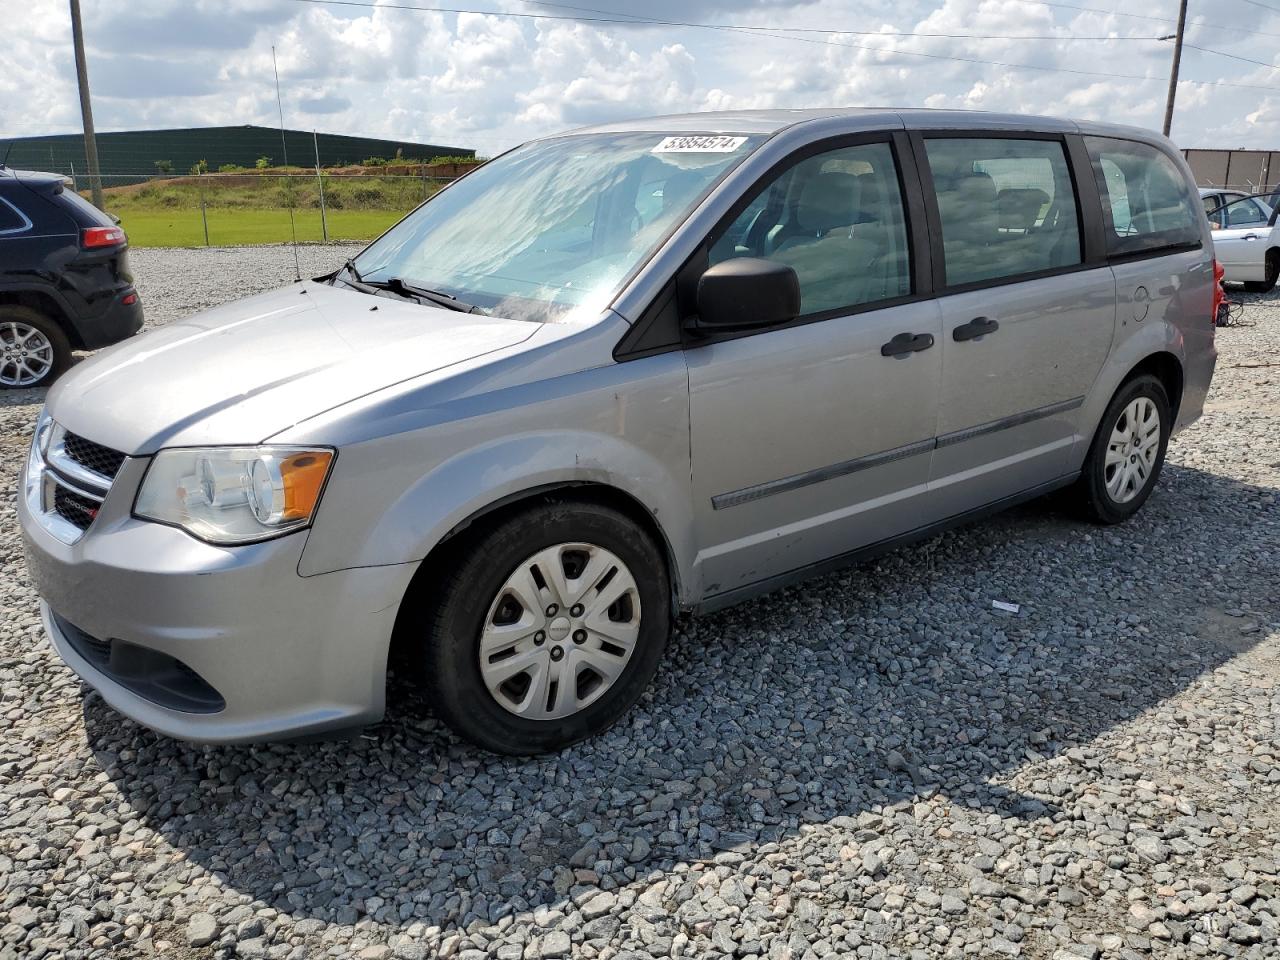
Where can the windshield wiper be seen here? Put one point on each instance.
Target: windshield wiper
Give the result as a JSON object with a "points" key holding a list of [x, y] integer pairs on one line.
{"points": [[403, 288], [438, 297]]}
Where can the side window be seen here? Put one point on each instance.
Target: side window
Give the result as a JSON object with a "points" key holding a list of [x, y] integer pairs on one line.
{"points": [[1211, 203], [1151, 204], [12, 220], [837, 219], [1243, 213], [1007, 207]]}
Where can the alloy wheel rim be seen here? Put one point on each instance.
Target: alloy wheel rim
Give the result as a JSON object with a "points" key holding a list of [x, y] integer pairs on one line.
{"points": [[1132, 450], [560, 631], [26, 355]]}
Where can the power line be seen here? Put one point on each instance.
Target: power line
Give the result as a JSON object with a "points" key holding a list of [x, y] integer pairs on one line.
{"points": [[1263, 6], [638, 21], [1231, 56], [1142, 16], [1109, 13], [777, 36]]}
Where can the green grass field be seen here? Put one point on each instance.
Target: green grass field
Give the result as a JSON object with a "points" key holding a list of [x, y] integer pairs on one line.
{"points": [[244, 225], [251, 208]]}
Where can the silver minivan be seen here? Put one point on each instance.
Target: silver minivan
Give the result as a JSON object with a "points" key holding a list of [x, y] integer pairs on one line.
{"points": [[612, 376]]}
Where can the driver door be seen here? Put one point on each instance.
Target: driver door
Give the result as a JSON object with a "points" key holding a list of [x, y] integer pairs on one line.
{"points": [[814, 438]]}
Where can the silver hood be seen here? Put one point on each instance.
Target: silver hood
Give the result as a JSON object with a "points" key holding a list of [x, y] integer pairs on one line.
{"points": [[246, 370]]}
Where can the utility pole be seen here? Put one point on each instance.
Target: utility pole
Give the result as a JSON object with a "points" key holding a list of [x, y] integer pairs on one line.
{"points": [[1173, 70], [324, 223], [86, 108]]}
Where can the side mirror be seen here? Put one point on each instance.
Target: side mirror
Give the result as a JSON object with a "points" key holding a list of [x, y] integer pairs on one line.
{"points": [[746, 293]]}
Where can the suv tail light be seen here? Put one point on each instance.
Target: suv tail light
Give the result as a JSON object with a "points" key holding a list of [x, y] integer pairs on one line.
{"points": [[93, 238]]}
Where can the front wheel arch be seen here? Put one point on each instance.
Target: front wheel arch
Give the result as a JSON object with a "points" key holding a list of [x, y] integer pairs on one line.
{"points": [[447, 550]]}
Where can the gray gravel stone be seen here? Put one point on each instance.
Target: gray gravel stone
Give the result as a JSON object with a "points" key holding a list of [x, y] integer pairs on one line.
{"points": [[202, 930]]}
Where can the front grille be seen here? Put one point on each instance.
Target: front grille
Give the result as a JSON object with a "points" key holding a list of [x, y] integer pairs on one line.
{"points": [[76, 509], [93, 456]]}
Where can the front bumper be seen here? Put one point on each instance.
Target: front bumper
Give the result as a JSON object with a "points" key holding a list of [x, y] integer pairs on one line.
{"points": [[286, 655]]}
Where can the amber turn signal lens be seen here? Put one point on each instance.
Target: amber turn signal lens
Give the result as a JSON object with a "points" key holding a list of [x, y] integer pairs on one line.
{"points": [[303, 475]]}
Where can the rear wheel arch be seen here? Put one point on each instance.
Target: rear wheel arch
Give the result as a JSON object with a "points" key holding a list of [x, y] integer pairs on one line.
{"points": [[1166, 368], [46, 304]]}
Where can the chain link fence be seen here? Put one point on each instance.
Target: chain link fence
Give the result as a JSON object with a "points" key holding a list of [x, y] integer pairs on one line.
{"points": [[234, 207]]}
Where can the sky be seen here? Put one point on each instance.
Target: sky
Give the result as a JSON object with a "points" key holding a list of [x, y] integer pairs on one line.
{"points": [[491, 80]]}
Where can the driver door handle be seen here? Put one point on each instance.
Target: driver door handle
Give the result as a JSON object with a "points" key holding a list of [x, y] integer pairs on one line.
{"points": [[977, 327], [905, 343]]}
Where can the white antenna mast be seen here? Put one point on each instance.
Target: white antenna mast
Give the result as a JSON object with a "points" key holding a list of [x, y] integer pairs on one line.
{"points": [[284, 150]]}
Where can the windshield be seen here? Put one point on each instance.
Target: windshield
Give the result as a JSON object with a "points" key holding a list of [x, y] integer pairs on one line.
{"points": [[553, 229]]}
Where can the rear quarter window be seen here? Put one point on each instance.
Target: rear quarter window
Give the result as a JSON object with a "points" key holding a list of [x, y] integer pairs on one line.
{"points": [[12, 219], [1147, 203], [82, 211]]}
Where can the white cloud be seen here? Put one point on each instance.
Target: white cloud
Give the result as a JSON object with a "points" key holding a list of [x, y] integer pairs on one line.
{"points": [[492, 81]]}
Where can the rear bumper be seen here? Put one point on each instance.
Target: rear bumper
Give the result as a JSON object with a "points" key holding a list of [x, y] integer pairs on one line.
{"points": [[212, 644], [1197, 376], [118, 322]]}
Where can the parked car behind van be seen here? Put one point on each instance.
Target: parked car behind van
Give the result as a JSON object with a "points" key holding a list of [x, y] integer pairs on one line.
{"points": [[610, 376], [64, 278], [1246, 237]]}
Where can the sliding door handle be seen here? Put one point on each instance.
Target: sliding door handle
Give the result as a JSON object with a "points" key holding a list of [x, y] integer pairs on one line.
{"points": [[905, 343], [977, 327]]}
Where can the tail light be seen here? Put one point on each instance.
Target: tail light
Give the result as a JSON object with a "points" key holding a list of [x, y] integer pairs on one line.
{"points": [[95, 238], [1219, 295]]}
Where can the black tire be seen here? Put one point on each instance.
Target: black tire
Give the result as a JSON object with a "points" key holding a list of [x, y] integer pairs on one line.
{"points": [[12, 313], [1273, 274], [1090, 495], [450, 652]]}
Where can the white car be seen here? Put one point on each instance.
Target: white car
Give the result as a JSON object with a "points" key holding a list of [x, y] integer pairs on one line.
{"points": [[1246, 237]]}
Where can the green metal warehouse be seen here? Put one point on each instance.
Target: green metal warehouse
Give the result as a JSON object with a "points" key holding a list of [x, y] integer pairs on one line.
{"points": [[134, 155]]}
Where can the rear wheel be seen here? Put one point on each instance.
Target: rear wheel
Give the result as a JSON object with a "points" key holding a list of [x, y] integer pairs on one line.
{"points": [[1272, 274], [33, 349], [549, 629], [1127, 454]]}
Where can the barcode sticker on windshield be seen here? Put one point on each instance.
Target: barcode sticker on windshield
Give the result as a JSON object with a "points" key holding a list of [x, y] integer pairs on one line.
{"points": [[699, 144]]}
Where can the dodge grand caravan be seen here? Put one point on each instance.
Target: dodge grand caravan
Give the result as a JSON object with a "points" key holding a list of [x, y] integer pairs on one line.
{"points": [[633, 370]]}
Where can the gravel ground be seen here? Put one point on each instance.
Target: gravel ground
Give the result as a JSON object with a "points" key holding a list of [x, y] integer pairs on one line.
{"points": [[874, 764]]}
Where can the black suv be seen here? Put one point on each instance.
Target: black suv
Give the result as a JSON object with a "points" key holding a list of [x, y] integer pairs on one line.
{"points": [[64, 278]]}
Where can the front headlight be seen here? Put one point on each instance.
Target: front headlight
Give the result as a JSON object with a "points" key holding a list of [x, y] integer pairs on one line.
{"points": [[234, 494], [33, 476]]}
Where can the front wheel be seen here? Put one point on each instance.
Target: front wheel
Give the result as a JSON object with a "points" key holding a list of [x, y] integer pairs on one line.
{"points": [[549, 629], [1128, 452]]}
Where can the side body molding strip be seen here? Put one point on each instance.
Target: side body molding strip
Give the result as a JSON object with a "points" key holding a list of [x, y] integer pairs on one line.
{"points": [[830, 472], [1004, 423]]}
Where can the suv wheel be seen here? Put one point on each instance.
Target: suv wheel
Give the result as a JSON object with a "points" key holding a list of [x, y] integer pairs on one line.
{"points": [[1127, 453], [33, 349], [549, 629]]}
